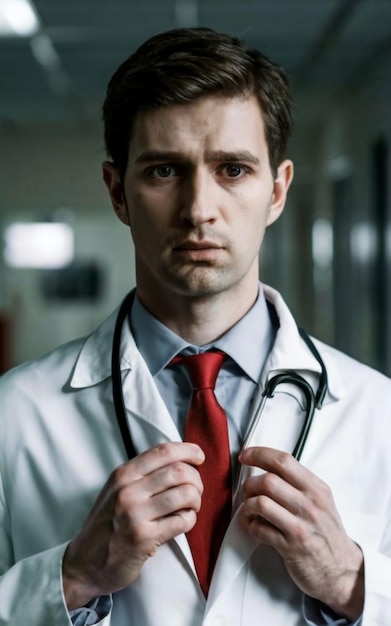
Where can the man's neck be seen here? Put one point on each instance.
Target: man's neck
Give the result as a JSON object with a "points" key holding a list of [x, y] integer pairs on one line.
{"points": [[201, 320]]}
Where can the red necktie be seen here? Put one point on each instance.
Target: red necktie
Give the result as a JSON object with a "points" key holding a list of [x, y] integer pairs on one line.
{"points": [[206, 425]]}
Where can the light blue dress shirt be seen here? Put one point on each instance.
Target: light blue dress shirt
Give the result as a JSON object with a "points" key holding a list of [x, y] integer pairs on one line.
{"points": [[247, 345]]}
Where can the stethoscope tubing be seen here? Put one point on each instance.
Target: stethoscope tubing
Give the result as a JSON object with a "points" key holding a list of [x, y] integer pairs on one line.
{"points": [[286, 377], [118, 395], [313, 400]]}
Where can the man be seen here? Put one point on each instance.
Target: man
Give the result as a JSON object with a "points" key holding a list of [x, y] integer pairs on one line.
{"points": [[196, 127]]}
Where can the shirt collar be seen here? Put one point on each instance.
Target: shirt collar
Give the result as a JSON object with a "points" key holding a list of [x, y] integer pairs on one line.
{"points": [[93, 363], [248, 343]]}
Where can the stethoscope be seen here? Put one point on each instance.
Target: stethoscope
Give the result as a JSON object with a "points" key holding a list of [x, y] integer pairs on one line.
{"points": [[313, 399]]}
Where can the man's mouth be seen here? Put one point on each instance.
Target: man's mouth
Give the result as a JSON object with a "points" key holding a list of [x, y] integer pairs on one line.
{"points": [[197, 251], [197, 245]]}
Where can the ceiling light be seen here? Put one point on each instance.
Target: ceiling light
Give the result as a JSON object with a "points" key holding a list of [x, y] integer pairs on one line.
{"points": [[18, 17]]}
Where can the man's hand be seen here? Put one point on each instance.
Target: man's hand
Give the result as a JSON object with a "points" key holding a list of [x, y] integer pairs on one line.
{"points": [[145, 503], [293, 511]]}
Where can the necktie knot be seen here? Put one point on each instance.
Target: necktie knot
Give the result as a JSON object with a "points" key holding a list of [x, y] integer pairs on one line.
{"points": [[203, 368]]}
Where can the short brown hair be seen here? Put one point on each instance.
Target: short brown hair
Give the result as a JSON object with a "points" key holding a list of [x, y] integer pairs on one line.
{"points": [[184, 64]]}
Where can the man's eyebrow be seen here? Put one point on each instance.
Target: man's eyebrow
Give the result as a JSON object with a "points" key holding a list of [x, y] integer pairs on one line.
{"points": [[235, 156], [221, 156]]}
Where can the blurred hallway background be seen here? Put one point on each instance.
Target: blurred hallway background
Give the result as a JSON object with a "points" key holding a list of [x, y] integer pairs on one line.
{"points": [[329, 254]]}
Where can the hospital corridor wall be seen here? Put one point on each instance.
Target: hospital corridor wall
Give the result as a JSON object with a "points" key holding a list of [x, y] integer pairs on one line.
{"points": [[331, 256]]}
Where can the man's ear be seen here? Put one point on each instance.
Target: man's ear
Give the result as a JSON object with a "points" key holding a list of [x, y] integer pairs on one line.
{"points": [[114, 185], [281, 186]]}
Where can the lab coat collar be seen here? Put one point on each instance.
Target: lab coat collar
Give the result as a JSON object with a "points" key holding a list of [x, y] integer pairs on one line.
{"points": [[289, 352], [94, 361]]}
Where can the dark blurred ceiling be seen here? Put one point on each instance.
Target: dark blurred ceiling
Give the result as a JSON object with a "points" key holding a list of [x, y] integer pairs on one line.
{"points": [[61, 72]]}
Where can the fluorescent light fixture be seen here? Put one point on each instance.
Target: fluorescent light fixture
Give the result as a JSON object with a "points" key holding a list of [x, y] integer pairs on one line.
{"points": [[363, 243], [18, 17], [46, 245], [322, 243]]}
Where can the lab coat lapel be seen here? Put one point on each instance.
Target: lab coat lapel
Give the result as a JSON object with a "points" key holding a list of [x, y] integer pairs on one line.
{"points": [[236, 549], [238, 546], [143, 402], [290, 352], [148, 419], [150, 423]]}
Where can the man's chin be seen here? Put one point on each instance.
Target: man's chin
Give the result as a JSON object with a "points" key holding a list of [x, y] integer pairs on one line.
{"points": [[200, 284]]}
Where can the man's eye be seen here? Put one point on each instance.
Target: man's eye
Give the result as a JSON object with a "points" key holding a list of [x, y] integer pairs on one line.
{"points": [[233, 170], [163, 171]]}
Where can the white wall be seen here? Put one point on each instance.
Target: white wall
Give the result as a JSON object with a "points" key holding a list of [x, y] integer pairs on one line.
{"points": [[55, 171]]}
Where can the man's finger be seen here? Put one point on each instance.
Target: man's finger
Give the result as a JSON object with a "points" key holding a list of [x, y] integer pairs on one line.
{"points": [[158, 457], [280, 463]]}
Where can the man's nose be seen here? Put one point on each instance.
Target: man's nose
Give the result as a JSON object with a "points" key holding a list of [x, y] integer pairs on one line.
{"points": [[199, 198]]}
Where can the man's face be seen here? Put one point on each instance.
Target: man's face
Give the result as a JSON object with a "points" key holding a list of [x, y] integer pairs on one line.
{"points": [[198, 193]]}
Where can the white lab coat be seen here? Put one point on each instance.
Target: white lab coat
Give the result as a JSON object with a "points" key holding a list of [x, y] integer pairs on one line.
{"points": [[59, 441]]}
